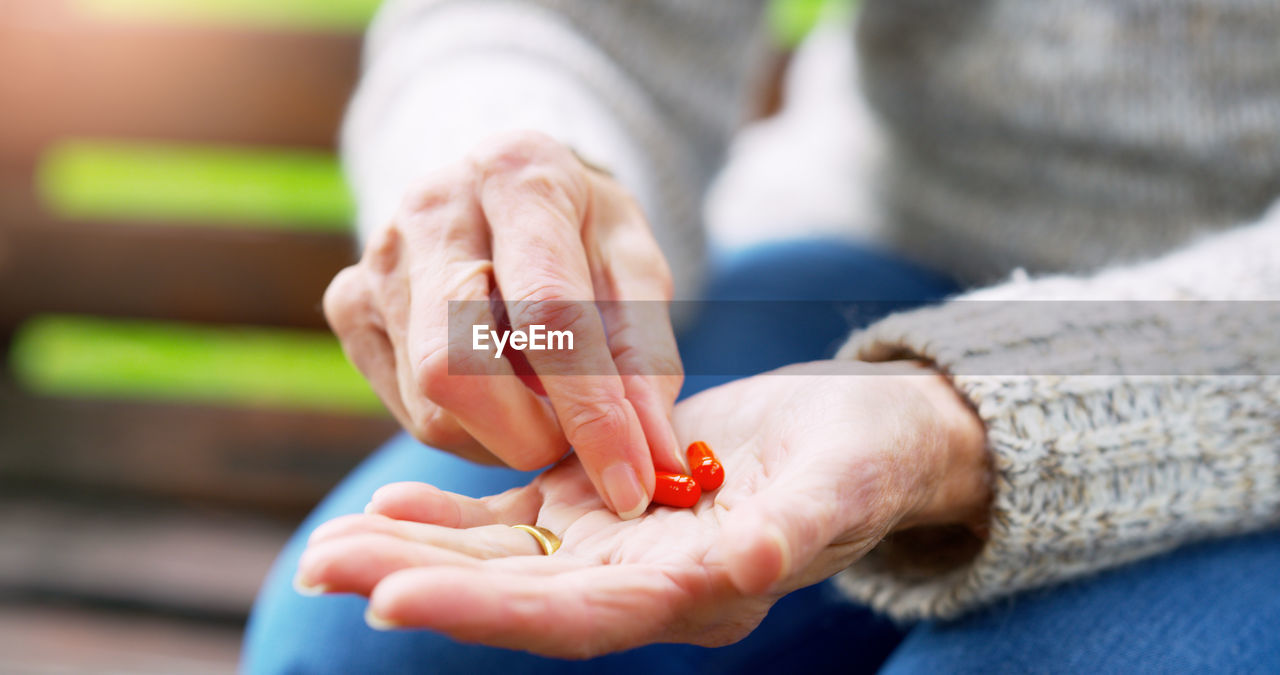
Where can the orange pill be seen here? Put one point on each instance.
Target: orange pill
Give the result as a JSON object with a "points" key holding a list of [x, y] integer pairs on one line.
{"points": [[673, 489], [704, 466]]}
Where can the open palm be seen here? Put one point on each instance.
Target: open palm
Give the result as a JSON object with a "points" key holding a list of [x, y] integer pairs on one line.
{"points": [[815, 476]]}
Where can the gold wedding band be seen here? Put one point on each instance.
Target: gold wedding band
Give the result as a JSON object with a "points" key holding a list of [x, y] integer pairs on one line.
{"points": [[546, 539]]}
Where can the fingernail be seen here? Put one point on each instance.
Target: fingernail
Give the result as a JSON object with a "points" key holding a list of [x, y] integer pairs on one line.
{"points": [[622, 487], [368, 508], [376, 622], [306, 589]]}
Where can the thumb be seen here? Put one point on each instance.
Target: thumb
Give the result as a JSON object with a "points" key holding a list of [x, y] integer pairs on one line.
{"points": [[780, 531]]}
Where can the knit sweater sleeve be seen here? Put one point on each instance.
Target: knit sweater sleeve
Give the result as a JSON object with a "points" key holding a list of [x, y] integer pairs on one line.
{"points": [[1178, 439], [650, 91]]}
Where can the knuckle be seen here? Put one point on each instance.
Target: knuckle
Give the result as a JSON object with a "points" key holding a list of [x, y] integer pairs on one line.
{"points": [[440, 213], [546, 307], [667, 364], [428, 198], [383, 252], [632, 359], [431, 376], [593, 425], [431, 425], [529, 461], [450, 358], [547, 185], [534, 454], [343, 299], [441, 189], [542, 182], [515, 150], [435, 430], [535, 166]]}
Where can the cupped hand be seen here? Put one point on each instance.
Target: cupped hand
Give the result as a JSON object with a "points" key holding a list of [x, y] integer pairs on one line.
{"points": [[525, 221], [821, 460]]}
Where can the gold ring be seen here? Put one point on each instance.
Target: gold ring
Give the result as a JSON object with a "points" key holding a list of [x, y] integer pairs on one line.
{"points": [[549, 542]]}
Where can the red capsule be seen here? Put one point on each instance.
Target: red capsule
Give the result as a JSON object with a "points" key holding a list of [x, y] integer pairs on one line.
{"points": [[674, 489], [704, 466]]}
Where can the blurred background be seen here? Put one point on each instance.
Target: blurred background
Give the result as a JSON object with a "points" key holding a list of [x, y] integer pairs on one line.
{"points": [[171, 210]]}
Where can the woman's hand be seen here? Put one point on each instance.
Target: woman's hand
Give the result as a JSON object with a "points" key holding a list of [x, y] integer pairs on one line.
{"points": [[522, 218], [821, 462]]}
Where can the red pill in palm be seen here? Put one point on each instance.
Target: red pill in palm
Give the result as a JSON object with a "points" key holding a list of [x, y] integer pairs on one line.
{"points": [[674, 489], [704, 466]]}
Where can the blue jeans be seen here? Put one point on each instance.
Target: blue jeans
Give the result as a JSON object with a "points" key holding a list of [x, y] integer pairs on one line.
{"points": [[1212, 606]]}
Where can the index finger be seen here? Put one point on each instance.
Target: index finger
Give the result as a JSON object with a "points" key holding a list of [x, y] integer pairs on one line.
{"points": [[578, 612], [534, 196]]}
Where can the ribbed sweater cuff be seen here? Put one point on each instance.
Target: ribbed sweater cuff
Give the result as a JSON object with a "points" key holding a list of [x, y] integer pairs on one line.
{"points": [[1089, 471]]}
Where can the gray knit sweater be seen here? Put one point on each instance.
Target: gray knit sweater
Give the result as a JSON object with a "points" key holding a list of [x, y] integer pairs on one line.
{"points": [[1092, 149]]}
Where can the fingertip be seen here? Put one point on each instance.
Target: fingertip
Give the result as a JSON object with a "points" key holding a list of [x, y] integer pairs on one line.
{"points": [[612, 447], [306, 575], [309, 590], [393, 490], [624, 491], [362, 562], [636, 512], [418, 502], [377, 622], [434, 598]]}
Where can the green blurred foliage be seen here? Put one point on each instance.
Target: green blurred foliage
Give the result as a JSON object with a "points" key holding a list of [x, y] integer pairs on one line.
{"points": [[321, 15], [174, 184], [78, 356], [790, 21]]}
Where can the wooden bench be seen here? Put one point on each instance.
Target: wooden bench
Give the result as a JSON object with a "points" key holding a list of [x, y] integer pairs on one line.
{"points": [[72, 75], [137, 531]]}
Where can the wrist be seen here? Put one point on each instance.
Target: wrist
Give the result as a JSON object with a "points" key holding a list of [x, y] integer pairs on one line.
{"points": [[957, 485]]}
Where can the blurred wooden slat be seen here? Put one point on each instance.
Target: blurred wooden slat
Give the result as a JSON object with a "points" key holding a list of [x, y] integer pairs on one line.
{"points": [[206, 275], [63, 640], [68, 75], [173, 272], [158, 557], [280, 462]]}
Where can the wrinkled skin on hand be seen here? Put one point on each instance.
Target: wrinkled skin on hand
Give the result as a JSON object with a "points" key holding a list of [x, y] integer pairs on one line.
{"points": [[522, 219], [820, 467]]}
